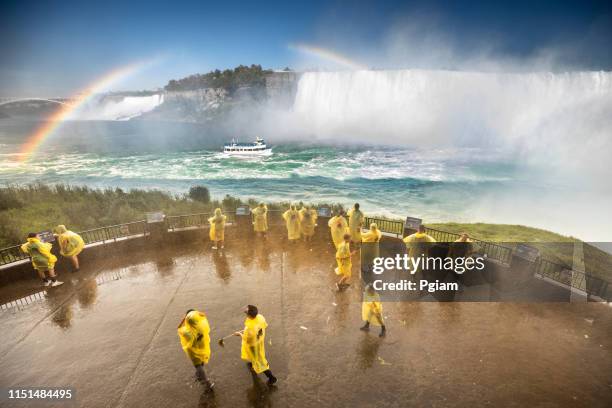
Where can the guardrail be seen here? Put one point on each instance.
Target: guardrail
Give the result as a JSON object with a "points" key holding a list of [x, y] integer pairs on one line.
{"points": [[114, 232], [545, 268], [589, 284], [493, 251], [102, 234], [12, 254]]}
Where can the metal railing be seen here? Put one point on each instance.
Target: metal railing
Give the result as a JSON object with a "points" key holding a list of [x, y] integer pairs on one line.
{"points": [[492, 250], [102, 234], [545, 268], [575, 279], [12, 254], [114, 232]]}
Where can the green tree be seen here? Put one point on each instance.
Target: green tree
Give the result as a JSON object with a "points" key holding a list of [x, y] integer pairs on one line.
{"points": [[199, 193]]}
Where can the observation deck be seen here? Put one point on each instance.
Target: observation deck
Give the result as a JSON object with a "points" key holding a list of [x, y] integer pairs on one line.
{"points": [[110, 332]]}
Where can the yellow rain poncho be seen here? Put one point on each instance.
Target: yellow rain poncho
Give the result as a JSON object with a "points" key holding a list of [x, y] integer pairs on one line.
{"points": [[260, 218], [308, 220], [71, 244], [194, 332], [370, 247], [217, 226], [343, 258], [371, 309], [253, 347], [417, 244], [292, 220], [40, 252], [338, 227], [372, 235], [356, 219]]}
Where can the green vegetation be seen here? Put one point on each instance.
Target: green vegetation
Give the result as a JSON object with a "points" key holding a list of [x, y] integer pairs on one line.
{"points": [[199, 193], [229, 79]]}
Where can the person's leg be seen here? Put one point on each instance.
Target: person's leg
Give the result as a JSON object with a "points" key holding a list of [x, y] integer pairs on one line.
{"points": [[53, 278], [383, 329], [43, 277], [201, 376], [271, 378], [75, 262]]}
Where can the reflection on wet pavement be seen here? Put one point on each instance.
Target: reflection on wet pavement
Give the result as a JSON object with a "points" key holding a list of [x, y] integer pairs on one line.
{"points": [[110, 332]]}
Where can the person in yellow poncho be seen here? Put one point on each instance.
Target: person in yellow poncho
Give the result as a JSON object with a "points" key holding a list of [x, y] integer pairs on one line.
{"points": [[253, 349], [217, 229], [356, 220], [43, 260], [308, 221], [345, 265], [194, 333], [372, 311], [370, 248], [338, 227], [71, 244], [418, 243], [260, 219], [292, 220]]}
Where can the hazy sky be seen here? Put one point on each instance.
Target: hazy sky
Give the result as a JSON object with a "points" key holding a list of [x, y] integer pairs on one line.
{"points": [[54, 48]]}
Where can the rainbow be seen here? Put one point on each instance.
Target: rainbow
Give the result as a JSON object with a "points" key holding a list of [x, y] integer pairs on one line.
{"points": [[329, 55], [64, 111]]}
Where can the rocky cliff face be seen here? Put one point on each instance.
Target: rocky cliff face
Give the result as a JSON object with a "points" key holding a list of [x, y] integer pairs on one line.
{"points": [[211, 104]]}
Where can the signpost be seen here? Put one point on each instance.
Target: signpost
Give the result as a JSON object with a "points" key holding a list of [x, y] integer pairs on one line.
{"points": [[411, 225]]}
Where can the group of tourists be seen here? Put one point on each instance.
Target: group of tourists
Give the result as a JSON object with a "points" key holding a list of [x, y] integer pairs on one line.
{"points": [[347, 236], [70, 243], [194, 334]]}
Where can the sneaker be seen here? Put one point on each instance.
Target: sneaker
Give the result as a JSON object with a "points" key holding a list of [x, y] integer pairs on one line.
{"points": [[365, 328], [214, 247], [56, 283], [47, 283], [272, 380]]}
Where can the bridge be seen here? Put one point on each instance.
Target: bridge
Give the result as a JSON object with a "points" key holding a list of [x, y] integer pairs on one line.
{"points": [[60, 101]]}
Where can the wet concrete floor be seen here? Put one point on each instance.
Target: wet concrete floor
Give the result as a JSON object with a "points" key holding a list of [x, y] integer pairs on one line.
{"points": [[110, 333]]}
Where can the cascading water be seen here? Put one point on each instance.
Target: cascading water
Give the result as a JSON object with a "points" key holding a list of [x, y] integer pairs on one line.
{"points": [[421, 108], [118, 108]]}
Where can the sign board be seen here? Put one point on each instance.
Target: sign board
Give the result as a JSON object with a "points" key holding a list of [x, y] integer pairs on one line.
{"points": [[46, 236], [324, 212], [412, 223], [243, 210], [527, 252], [155, 217]]}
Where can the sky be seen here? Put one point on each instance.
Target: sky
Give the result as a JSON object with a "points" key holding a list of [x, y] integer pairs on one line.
{"points": [[56, 48]]}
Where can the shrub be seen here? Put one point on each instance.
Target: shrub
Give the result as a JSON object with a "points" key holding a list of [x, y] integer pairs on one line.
{"points": [[199, 193]]}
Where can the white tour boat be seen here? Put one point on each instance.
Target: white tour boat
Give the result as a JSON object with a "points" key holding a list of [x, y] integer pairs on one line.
{"points": [[258, 148]]}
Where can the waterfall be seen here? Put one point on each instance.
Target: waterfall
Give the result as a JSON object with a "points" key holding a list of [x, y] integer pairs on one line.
{"points": [[110, 107], [460, 108]]}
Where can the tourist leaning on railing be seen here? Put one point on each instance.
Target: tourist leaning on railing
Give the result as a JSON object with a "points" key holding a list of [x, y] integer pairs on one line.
{"points": [[71, 244], [42, 259]]}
